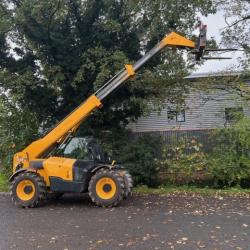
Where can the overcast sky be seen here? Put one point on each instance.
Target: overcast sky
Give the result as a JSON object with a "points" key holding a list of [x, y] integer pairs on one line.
{"points": [[215, 23]]}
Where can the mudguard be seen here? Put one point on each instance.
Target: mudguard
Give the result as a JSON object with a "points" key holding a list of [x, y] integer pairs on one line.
{"points": [[109, 166], [21, 171]]}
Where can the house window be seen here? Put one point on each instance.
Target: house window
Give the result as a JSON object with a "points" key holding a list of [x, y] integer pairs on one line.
{"points": [[171, 115], [177, 116], [233, 114], [180, 116]]}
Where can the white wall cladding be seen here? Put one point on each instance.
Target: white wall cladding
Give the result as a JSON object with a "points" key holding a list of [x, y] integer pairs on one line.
{"points": [[204, 110]]}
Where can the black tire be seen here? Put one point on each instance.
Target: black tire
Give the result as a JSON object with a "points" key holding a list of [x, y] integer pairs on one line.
{"points": [[54, 195], [128, 183], [118, 181], [38, 190]]}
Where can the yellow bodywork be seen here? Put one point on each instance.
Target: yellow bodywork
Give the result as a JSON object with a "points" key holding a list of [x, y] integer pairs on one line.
{"points": [[59, 167], [130, 69], [176, 40]]}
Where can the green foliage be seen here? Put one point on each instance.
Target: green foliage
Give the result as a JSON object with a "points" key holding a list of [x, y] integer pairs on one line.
{"points": [[227, 164], [18, 127], [185, 158], [140, 158], [229, 161], [236, 33], [114, 143], [3, 183]]}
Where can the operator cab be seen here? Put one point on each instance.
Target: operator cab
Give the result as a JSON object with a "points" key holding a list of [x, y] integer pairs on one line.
{"points": [[82, 148]]}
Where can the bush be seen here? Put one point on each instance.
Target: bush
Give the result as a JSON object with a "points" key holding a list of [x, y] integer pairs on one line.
{"points": [[140, 157], [227, 164], [182, 161], [229, 161]]}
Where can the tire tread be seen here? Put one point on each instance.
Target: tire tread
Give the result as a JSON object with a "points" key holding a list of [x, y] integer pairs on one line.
{"points": [[120, 180]]}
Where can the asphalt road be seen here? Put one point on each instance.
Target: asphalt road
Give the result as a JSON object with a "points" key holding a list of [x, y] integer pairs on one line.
{"points": [[175, 221]]}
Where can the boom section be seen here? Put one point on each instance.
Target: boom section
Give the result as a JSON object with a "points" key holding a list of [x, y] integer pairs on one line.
{"points": [[171, 40]]}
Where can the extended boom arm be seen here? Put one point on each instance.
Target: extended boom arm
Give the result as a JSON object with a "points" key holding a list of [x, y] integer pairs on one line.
{"points": [[74, 119]]}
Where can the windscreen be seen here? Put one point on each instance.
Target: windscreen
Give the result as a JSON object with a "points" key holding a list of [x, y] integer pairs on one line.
{"points": [[82, 149]]}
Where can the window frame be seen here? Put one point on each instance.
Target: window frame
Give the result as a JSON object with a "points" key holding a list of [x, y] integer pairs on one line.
{"points": [[183, 115], [172, 115], [230, 118]]}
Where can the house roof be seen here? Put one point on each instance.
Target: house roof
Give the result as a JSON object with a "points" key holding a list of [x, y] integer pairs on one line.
{"points": [[214, 74]]}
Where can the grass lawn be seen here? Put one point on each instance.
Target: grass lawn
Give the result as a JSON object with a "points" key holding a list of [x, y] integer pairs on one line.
{"points": [[3, 183], [192, 190]]}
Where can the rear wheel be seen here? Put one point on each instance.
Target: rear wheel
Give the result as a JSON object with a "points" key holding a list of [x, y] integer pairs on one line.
{"points": [[128, 183], [28, 189], [107, 188]]}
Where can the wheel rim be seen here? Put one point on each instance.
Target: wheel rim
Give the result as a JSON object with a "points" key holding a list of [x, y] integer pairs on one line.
{"points": [[106, 188], [25, 190]]}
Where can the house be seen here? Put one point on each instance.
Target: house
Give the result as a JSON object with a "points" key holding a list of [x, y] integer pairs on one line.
{"points": [[203, 111]]}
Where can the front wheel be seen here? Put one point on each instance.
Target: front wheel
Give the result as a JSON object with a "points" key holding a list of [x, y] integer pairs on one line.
{"points": [[28, 189], [107, 188]]}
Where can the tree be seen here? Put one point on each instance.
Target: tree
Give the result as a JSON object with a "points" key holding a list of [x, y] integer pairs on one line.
{"points": [[18, 127], [54, 54], [237, 17]]}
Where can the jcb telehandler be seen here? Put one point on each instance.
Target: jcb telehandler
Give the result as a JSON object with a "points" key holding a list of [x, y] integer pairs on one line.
{"points": [[60, 163]]}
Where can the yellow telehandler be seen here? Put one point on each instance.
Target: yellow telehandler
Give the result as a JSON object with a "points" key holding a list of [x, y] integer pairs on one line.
{"points": [[59, 163]]}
